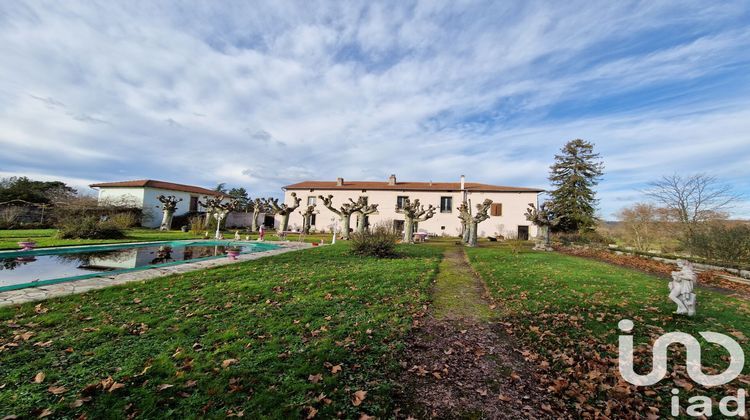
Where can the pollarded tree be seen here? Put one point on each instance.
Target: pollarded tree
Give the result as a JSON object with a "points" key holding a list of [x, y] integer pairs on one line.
{"points": [[574, 175], [414, 212], [219, 209], [480, 216], [257, 206], [168, 207], [544, 218], [307, 215], [365, 210], [464, 214], [283, 209], [344, 212]]}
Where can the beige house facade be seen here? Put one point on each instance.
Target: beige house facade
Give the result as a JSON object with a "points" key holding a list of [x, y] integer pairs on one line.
{"points": [[506, 215]]}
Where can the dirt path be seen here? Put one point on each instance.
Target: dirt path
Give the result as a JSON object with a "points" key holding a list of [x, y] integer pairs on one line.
{"points": [[460, 364]]}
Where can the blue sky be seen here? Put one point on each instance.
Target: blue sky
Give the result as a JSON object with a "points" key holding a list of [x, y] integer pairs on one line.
{"points": [[265, 94]]}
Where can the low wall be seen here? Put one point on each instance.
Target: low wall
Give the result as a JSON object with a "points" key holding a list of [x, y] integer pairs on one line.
{"points": [[699, 266]]}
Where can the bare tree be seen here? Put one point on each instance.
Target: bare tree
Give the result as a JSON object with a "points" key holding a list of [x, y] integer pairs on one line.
{"points": [[414, 212], [641, 224], [283, 210], [168, 207], [344, 212], [257, 206], [307, 216], [364, 211], [693, 200]]}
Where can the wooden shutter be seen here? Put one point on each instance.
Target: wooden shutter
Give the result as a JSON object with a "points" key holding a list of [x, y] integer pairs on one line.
{"points": [[496, 209]]}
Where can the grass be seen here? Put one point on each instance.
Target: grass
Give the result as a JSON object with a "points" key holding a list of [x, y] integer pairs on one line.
{"points": [[456, 293], [46, 237], [538, 284], [243, 338]]}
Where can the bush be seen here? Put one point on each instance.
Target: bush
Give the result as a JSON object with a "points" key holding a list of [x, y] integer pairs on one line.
{"points": [[124, 220], [722, 242], [584, 238], [379, 241], [87, 227], [197, 225]]}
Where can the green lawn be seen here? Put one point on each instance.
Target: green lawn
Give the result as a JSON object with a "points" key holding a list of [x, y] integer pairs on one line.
{"points": [[46, 237], [567, 309], [250, 337]]}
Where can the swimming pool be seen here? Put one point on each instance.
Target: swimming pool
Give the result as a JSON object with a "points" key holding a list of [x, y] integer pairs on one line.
{"points": [[22, 269]]}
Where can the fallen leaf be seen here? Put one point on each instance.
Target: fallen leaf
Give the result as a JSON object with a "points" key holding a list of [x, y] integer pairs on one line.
{"points": [[56, 390], [315, 378], [39, 378], [358, 397], [336, 369], [162, 387], [46, 412], [311, 412], [115, 386], [226, 363]]}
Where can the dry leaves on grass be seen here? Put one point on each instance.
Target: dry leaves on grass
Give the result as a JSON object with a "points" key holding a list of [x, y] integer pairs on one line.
{"points": [[39, 377], [358, 397]]}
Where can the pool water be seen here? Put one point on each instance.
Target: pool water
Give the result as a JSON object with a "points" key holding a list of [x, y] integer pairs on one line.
{"points": [[23, 269]]}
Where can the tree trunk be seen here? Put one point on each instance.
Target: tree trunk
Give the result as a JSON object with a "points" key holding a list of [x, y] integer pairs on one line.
{"points": [[306, 225], [472, 234], [466, 234], [166, 221], [254, 222], [408, 230], [361, 223], [346, 220], [284, 223]]}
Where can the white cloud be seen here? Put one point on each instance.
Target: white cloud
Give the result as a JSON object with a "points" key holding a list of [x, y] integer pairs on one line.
{"points": [[264, 94]]}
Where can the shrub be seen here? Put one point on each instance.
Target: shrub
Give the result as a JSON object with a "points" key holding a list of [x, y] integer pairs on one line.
{"points": [[124, 220], [379, 241], [722, 242], [197, 225], [584, 238], [87, 227]]}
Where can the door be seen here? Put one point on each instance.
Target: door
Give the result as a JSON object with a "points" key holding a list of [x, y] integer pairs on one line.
{"points": [[268, 221], [398, 225], [523, 233]]}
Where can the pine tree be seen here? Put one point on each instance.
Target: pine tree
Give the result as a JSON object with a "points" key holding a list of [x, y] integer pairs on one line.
{"points": [[573, 175]]}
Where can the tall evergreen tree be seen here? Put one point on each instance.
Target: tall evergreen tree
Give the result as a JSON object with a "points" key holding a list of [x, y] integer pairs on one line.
{"points": [[575, 173]]}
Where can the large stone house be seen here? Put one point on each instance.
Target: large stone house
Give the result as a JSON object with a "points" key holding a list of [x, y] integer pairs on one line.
{"points": [[506, 214]]}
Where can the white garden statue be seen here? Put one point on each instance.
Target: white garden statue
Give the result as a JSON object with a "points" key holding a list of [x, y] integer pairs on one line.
{"points": [[681, 288]]}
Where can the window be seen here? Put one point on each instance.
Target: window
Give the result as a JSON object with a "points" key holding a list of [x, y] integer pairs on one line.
{"points": [[312, 219], [446, 204], [400, 200], [193, 204], [311, 200], [496, 209]]}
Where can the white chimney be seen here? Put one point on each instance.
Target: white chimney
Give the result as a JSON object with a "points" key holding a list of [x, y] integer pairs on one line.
{"points": [[339, 182], [392, 180], [463, 182]]}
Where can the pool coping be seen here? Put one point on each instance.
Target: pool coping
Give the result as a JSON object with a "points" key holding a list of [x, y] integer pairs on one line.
{"points": [[33, 294]]}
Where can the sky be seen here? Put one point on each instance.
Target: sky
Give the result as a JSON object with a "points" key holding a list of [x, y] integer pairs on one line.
{"points": [[264, 94]]}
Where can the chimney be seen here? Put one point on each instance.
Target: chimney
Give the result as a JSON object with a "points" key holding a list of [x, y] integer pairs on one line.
{"points": [[392, 180], [339, 182], [463, 182]]}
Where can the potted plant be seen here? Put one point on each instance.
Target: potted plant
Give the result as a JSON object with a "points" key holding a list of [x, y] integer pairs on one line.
{"points": [[27, 245], [233, 252]]}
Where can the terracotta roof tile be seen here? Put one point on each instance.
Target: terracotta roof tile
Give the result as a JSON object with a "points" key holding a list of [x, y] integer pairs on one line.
{"points": [[410, 186], [142, 183]]}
